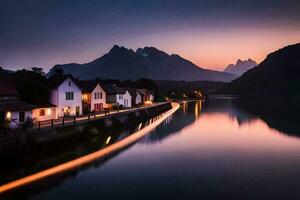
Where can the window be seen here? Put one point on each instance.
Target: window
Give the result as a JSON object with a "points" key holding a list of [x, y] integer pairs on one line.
{"points": [[120, 96], [42, 112], [69, 95], [69, 83], [97, 95]]}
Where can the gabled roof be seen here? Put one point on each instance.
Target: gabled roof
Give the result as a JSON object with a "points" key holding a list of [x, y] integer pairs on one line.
{"points": [[132, 92], [143, 91], [7, 88], [113, 89], [44, 105], [56, 80], [87, 85]]}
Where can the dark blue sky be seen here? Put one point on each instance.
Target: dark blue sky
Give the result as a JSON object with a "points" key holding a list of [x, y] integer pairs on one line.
{"points": [[47, 32]]}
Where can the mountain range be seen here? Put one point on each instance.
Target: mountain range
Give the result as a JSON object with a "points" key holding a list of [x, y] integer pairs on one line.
{"points": [[278, 74], [240, 67], [149, 62]]}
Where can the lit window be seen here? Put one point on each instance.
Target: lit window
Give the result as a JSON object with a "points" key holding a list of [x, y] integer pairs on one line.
{"points": [[48, 111], [8, 115], [42, 112]]}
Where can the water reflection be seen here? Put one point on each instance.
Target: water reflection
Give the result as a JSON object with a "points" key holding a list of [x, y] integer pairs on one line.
{"points": [[280, 113], [224, 148], [172, 126]]}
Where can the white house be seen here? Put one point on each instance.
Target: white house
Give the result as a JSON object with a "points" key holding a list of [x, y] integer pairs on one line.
{"points": [[13, 112], [66, 95], [116, 96], [136, 97], [93, 96], [147, 96], [44, 112], [124, 99]]}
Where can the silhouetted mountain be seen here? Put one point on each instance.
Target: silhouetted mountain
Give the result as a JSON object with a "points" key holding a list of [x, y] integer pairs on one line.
{"points": [[122, 63], [240, 67], [277, 74]]}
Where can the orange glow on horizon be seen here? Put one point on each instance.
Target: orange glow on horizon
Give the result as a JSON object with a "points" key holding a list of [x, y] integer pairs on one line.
{"points": [[217, 48]]}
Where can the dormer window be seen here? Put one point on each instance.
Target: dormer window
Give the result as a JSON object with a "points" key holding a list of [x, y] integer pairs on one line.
{"points": [[69, 83]]}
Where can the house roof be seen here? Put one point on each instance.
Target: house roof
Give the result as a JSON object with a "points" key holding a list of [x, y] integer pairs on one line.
{"points": [[143, 91], [44, 105], [132, 92], [15, 105], [113, 89], [87, 85], [7, 88], [56, 80]]}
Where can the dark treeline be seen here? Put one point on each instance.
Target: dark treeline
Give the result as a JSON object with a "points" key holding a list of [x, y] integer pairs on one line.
{"points": [[33, 86], [176, 89]]}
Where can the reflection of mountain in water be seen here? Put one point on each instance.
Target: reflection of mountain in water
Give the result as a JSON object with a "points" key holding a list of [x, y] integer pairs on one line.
{"points": [[281, 113], [225, 105]]}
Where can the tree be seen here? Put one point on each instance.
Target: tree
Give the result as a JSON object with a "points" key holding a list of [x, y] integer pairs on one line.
{"points": [[38, 70], [145, 83], [32, 86]]}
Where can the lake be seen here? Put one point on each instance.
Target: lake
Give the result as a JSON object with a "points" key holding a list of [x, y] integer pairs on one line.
{"points": [[222, 148]]}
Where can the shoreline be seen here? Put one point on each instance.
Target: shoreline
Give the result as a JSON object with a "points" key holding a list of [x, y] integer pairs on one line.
{"points": [[90, 157], [69, 129]]}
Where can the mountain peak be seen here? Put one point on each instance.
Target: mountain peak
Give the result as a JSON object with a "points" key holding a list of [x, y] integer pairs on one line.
{"points": [[142, 52], [277, 74], [240, 67], [120, 49], [151, 52], [150, 62]]}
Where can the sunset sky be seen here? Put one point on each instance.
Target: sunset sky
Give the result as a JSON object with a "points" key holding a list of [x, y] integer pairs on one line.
{"points": [[210, 33]]}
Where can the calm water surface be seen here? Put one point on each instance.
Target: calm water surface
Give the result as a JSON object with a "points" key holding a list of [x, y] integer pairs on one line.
{"points": [[220, 149]]}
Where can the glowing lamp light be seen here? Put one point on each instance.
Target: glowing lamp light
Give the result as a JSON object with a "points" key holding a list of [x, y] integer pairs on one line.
{"points": [[108, 139], [48, 111], [8, 115], [148, 102]]}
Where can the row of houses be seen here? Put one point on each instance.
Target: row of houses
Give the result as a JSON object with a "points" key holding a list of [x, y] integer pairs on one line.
{"points": [[68, 97]]}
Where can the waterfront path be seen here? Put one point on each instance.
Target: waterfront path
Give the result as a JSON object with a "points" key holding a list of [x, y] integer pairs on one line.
{"points": [[90, 157], [84, 118]]}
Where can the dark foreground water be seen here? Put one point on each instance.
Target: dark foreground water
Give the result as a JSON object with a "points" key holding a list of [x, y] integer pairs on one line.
{"points": [[220, 149]]}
